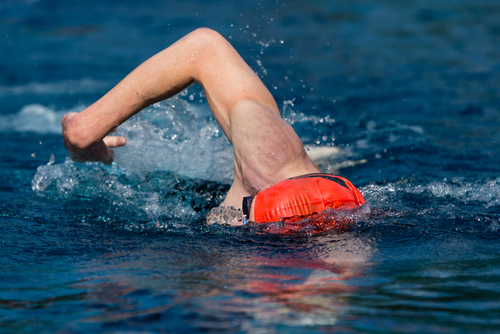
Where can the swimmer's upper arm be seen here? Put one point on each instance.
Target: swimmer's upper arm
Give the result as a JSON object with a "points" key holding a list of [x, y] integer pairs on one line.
{"points": [[226, 77]]}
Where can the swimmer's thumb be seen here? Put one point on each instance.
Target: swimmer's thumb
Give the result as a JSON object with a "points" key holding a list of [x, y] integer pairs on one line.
{"points": [[114, 141]]}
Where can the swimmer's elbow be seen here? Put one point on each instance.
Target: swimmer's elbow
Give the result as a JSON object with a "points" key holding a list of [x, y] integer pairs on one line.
{"points": [[206, 39], [205, 33]]}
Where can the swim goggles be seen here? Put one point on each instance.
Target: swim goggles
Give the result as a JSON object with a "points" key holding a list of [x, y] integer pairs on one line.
{"points": [[246, 208]]}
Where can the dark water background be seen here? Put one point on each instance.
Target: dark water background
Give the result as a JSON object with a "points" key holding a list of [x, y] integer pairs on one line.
{"points": [[407, 91]]}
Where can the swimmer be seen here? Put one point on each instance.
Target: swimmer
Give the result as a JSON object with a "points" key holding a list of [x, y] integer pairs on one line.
{"points": [[267, 151]]}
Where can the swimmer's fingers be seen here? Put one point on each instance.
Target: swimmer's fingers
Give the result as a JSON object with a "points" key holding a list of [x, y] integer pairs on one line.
{"points": [[114, 141]]}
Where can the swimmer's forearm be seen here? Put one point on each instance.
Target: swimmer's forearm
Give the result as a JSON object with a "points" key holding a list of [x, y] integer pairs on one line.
{"points": [[160, 77], [141, 88]]}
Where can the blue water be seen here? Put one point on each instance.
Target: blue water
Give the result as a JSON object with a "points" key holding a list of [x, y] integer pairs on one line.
{"points": [[406, 93]]}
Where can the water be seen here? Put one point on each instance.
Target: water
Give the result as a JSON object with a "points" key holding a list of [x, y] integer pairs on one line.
{"points": [[401, 98]]}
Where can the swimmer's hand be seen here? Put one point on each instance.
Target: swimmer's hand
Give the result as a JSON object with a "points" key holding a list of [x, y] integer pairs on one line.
{"points": [[80, 146]]}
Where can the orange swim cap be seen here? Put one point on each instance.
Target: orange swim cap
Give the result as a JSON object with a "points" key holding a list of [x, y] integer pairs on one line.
{"points": [[305, 195]]}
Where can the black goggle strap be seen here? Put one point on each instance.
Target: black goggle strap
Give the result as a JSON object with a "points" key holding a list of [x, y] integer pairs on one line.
{"points": [[246, 208]]}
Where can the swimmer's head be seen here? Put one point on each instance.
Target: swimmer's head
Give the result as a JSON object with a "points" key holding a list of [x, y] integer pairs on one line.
{"points": [[301, 196]]}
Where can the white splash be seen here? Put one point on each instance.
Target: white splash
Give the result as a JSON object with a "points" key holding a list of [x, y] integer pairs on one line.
{"points": [[169, 138], [486, 191], [175, 137]]}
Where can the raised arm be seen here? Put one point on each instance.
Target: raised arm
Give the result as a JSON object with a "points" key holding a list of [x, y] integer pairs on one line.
{"points": [[203, 56]]}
